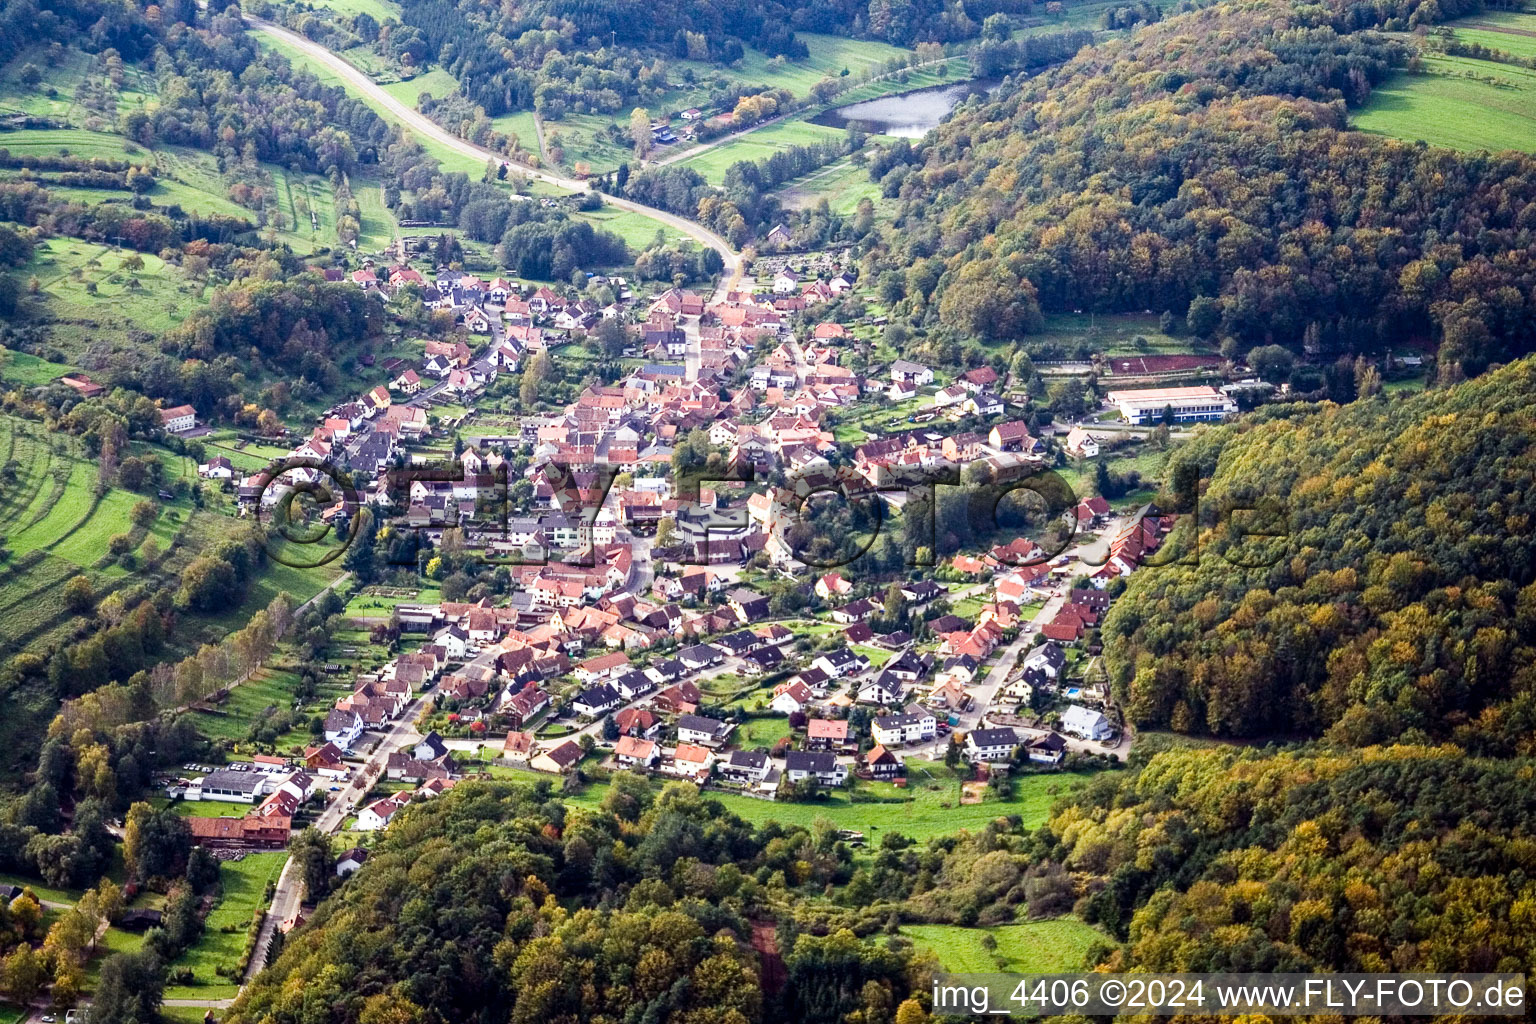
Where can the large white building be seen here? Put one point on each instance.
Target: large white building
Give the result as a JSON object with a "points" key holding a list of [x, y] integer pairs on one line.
{"points": [[1148, 405]]}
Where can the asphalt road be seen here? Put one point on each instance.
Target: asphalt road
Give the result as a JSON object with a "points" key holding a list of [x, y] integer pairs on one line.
{"points": [[423, 125], [289, 890]]}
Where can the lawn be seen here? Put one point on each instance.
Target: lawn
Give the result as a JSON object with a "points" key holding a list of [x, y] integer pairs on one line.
{"points": [[1458, 103], [919, 813], [203, 808], [244, 890], [113, 940], [41, 891], [1033, 947]]}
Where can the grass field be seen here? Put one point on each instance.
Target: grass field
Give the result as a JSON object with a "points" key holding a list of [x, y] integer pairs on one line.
{"points": [[1458, 103], [56, 527], [379, 10], [1512, 32], [918, 812], [244, 889], [764, 142], [1033, 947], [843, 184], [521, 124], [637, 230], [1113, 334], [28, 370], [829, 57], [437, 83]]}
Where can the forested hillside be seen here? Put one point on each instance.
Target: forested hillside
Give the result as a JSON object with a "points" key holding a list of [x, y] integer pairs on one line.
{"points": [[1389, 859], [498, 902], [1205, 163], [1400, 603]]}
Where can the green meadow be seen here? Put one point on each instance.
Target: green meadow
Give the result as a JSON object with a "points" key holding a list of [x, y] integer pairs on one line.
{"points": [[1031, 947], [1458, 103], [712, 163], [930, 805]]}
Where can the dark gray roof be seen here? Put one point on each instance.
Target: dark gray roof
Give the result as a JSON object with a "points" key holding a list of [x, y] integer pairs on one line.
{"points": [[819, 761], [993, 737]]}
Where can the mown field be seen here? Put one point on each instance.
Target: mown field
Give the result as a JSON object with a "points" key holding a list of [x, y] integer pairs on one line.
{"points": [[1458, 103], [1510, 31], [1031, 947], [844, 185], [712, 163], [919, 813], [830, 56]]}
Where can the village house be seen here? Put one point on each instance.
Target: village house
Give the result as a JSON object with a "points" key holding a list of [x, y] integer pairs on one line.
{"points": [[702, 731], [746, 767], [822, 766], [990, 744], [882, 763], [914, 725], [1086, 723], [633, 752], [1047, 749], [826, 734], [559, 759]]}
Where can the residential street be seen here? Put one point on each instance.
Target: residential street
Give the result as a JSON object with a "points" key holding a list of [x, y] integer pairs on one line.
{"points": [[288, 893]]}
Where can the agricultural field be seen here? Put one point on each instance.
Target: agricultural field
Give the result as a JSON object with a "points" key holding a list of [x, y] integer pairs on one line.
{"points": [[928, 807], [1032, 947], [55, 527], [1458, 103], [244, 884], [1509, 31]]}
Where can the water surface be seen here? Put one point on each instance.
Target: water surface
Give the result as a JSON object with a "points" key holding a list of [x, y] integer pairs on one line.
{"points": [[907, 115]]}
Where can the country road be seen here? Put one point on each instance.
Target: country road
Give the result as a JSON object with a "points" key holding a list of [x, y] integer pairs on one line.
{"points": [[420, 123]]}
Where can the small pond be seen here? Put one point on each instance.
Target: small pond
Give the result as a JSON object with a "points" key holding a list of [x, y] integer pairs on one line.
{"points": [[906, 115]]}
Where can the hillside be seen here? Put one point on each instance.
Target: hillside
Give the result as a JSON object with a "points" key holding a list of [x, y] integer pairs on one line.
{"points": [[1176, 170], [1240, 860], [1400, 603], [496, 895]]}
